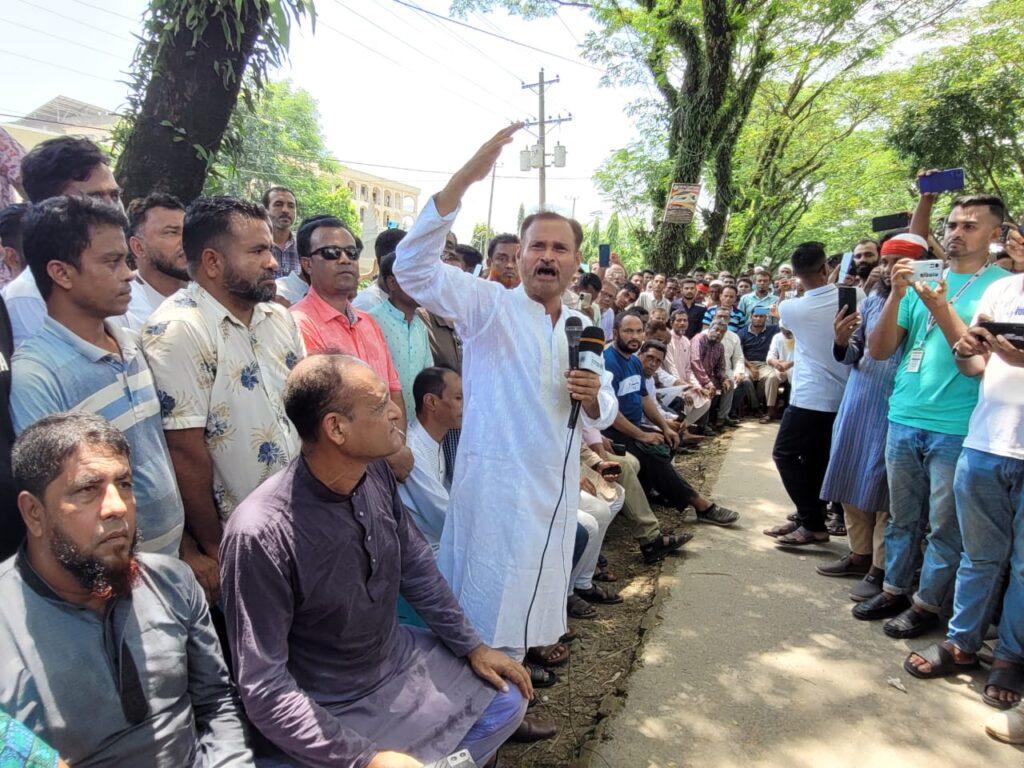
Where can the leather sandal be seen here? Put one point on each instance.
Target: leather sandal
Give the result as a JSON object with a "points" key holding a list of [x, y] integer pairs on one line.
{"points": [[599, 595], [941, 660], [780, 530]]}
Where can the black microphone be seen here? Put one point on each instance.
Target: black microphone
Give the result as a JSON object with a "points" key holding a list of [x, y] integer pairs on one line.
{"points": [[573, 333], [589, 355]]}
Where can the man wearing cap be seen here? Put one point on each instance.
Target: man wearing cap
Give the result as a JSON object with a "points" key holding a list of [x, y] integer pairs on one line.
{"points": [[929, 411]]}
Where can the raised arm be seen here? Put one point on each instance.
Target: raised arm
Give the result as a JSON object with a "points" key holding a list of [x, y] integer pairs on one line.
{"points": [[442, 289]]}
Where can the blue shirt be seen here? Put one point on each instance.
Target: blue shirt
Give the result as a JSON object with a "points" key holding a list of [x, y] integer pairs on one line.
{"points": [[409, 346], [56, 370], [736, 318], [628, 383], [756, 345], [751, 300]]}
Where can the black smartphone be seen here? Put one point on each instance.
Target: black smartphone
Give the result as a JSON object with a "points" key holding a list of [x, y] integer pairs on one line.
{"points": [[942, 181], [611, 472], [890, 221], [619, 449], [848, 299], [604, 255], [1007, 228], [1012, 332]]}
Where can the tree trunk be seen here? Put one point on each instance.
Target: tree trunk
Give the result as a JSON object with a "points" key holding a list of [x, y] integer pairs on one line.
{"points": [[189, 99]]}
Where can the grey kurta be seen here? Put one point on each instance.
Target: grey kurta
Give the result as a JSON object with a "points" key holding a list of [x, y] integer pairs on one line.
{"points": [[311, 581], [59, 662]]}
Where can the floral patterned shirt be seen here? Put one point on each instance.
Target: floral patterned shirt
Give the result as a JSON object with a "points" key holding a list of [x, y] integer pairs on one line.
{"points": [[213, 371]]}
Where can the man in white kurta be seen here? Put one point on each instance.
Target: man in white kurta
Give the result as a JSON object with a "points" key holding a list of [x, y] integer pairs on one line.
{"points": [[513, 485]]}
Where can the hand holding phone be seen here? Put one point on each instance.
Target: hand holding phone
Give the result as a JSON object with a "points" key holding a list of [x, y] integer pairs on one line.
{"points": [[927, 270], [934, 182]]}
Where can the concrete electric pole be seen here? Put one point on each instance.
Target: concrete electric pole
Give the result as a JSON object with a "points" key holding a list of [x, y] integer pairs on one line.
{"points": [[536, 157]]}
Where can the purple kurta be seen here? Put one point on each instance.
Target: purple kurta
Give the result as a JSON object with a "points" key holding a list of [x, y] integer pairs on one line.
{"points": [[310, 582]]}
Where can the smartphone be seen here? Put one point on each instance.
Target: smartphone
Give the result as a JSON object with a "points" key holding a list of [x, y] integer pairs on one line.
{"points": [[762, 311], [1007, 228], [942, 181], [848, 299], [604, 255], [611, 472], [927, 270], [585, 301], [619, 449], [1012, 332], [845, 264], [890, 221]]}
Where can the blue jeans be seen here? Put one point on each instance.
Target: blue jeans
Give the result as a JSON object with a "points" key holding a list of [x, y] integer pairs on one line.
{"points": [[990, 507], [920, 465]]}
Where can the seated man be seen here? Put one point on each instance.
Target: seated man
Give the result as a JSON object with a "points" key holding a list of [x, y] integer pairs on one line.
{"points": [[780, 357], [117, 662], [437, 393], [755, 340], [708, 360], [312, 565], [649, 446], [670, 392]]}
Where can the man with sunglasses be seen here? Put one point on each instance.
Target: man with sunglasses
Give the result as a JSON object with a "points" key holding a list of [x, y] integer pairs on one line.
{"points": [[329, 322], [110, 655]]}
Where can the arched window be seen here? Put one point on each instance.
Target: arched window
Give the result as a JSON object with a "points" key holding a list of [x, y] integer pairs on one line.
{"points": [[408, 204], [387, 199], [364, 192]]}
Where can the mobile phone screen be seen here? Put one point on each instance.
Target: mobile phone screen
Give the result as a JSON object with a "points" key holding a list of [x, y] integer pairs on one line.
{"points": [[604, 255]]}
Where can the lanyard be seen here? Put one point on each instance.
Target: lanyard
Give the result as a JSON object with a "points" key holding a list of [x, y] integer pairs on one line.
{"points": [[952, 301]]}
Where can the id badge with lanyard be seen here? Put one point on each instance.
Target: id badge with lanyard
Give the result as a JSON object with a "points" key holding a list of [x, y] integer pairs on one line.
{"points": [[916, 357]]}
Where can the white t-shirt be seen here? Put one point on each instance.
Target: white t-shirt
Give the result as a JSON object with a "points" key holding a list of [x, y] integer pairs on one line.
{"points": [[818, 380], [997, 423]]}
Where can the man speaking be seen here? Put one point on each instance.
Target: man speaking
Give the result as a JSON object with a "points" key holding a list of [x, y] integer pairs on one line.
{"points": [[506, 547]]}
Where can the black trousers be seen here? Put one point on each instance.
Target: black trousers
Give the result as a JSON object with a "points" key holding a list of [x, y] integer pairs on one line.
{"points": [[658, 473], [801, 453]]}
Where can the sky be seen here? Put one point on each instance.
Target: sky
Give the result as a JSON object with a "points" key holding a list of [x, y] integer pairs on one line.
{"points": [[401, 95]]}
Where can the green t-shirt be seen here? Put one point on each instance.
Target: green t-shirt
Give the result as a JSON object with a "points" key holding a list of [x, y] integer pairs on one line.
{"points": [[938, 397]]}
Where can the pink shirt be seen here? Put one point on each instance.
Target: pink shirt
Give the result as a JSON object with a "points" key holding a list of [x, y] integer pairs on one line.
{"points": [[677, 361], [353, 332]]}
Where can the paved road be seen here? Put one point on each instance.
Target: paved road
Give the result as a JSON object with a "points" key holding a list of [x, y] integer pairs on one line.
{"points": [[758, 661]]}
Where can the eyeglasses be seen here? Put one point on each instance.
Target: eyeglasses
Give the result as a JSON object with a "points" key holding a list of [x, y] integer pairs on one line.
{"points": [[333, 252]]}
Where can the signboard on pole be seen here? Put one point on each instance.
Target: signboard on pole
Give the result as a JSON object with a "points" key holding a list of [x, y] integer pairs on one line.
{"points": [[681, 203]]}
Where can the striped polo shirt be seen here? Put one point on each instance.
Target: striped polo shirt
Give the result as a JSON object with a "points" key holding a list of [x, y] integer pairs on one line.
{"points": [[56, 370]]}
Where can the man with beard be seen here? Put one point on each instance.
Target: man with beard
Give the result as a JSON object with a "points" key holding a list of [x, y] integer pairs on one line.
{"points": [[856, 475], [502, 254], [117, 661], [154, 236], [80, 360], [282, 208], [651, 446], [220, 351], [689, 303], [761, 296], [929, 413], [865, 260]]}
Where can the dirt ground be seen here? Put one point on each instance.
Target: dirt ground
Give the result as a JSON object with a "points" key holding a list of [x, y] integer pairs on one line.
{"points": [[592, 685]]}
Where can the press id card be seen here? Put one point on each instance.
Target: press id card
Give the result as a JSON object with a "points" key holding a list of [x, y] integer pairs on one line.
{"points": [[914, 361]]}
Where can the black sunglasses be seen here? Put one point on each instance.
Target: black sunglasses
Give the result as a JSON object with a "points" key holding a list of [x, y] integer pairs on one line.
{"points": [[333, 252]]}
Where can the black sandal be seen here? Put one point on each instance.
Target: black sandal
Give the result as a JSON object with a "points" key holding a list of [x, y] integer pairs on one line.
{"points": [[1009, 679], [943, 663], [578, 608], [599, 595], [541, 677], [910, 624]]}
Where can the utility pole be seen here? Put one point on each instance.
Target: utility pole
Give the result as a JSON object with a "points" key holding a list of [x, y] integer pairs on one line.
{"points": [[490, 207], [542, 122]]}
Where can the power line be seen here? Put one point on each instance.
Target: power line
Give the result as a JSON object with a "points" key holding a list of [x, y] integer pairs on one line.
{"points": [[499, 36], [57, 66], [106, 10], [77, 22], [407, 44], [62, 39]]}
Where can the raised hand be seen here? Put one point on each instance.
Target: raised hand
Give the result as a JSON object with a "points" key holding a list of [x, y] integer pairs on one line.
{"points": [[476, 169]]}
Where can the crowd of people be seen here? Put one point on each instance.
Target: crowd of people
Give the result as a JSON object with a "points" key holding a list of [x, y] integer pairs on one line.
{"points": [[257, 513]]}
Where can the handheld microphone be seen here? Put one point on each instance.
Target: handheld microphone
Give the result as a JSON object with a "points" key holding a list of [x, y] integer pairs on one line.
{"points": [[587, 354]]}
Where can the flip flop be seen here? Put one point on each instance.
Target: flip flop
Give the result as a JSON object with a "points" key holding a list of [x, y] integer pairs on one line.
{"points": [[1007, 727], [603, 574], [1007, 678], [942, 661]]}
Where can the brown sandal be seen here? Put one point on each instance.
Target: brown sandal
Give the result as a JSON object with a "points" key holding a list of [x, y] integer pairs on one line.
{"points": [[801, 537], [781, 530], [548, 655]]}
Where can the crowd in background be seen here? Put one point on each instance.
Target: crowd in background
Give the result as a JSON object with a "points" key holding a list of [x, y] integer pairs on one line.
{"points": [[255, 511]]}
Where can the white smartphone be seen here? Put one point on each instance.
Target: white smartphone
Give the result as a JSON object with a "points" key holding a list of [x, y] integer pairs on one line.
{"points": [[927, 271]]}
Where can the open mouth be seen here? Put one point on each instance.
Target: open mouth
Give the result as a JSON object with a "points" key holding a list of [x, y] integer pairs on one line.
{"points": [[546, 271]]}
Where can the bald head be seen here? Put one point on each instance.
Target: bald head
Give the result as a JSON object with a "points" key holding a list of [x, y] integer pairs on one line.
{"points": [[316, 387]]}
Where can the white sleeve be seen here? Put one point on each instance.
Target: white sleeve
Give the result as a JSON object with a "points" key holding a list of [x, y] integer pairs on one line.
{"points": [[775, 350], [444, 290], [608, 403]]}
